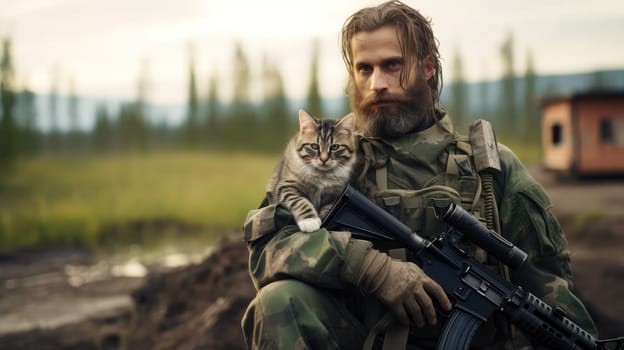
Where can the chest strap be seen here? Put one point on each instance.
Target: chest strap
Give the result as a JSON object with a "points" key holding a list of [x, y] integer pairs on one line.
{"points": [[379, 163]]}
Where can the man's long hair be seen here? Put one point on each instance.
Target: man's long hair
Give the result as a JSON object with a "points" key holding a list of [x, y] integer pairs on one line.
{"points": [[415, 38]]}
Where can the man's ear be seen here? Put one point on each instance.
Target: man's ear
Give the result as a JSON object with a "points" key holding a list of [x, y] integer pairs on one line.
{"points": [[428, 67]]}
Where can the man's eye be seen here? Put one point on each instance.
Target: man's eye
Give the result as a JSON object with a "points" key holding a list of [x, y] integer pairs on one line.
{"points": [[364, 69], [393, 65], [333, 147]]}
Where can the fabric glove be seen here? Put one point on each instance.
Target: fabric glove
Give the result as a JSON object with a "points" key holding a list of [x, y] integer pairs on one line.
{"points": [[402, 286]]}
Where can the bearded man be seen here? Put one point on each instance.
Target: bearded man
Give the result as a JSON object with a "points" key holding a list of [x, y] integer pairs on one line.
{"points": [[328, 290]]}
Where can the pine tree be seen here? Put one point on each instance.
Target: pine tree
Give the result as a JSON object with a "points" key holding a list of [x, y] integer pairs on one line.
{"points": [[191, 124], [277, 126], [484, 100], [8, 127], [54, 139], [459, 107], [314, 104], [26, 116], [213, 109], [242, 75], [74, 128], [103, 130], [346, 100], [131, 128], [141, 108], [531, 108], [508, 112], [239, 128], [484, 109]]}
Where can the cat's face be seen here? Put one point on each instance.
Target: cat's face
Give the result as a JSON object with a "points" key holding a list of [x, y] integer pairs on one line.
{"points": [[326, 144]]}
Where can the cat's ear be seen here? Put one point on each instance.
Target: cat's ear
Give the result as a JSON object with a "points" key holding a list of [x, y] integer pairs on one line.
{"points": [[306, 122], [346, 123]]}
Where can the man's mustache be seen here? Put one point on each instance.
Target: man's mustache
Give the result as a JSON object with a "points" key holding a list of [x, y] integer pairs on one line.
{"points": [[383, 98]]}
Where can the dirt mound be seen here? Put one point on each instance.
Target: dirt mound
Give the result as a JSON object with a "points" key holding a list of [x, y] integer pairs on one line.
{"points": [[104, 332], [598, 267], [200, 307], [197, 307]]}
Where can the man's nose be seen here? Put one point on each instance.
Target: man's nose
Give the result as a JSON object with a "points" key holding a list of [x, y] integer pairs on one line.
{"points": [[378, 81]]}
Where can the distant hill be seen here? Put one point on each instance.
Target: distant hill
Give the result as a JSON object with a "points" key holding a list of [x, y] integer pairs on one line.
{"points": [[170, 114], [546, 85]]}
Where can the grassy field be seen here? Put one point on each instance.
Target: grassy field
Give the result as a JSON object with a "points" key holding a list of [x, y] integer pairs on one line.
{"points": [[94, 200], [529, 152], [109, 199]]}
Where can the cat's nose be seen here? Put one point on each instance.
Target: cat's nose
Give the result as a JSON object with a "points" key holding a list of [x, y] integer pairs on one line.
{"points": [[324, 157]]}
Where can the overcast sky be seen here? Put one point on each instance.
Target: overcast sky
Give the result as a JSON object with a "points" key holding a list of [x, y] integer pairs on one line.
{"points": [[101, 44]]}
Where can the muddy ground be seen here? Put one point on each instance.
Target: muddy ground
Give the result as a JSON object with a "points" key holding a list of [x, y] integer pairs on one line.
{"points": [[69, 299]]}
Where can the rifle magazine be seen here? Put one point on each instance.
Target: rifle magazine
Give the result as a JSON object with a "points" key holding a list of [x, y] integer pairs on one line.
{"points": [[458, 331]]}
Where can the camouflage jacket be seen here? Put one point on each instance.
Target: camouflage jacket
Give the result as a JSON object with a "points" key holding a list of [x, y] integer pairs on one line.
{"points": [[328, 259]]}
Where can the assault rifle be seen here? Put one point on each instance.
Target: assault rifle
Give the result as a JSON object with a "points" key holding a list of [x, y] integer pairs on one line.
{"points": [[477, 291]]}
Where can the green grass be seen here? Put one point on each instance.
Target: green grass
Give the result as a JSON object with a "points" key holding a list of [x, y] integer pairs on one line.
{"points": [[91, 200], [98, 200]]}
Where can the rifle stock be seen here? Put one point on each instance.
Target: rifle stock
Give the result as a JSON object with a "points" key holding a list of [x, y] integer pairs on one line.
{"points": [[477, 292]]}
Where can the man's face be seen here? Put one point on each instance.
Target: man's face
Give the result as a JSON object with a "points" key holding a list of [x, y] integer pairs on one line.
{"points": [[384, 107]]}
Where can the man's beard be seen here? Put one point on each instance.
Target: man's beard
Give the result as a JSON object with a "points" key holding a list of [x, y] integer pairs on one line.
{"points": [[410, 112]]}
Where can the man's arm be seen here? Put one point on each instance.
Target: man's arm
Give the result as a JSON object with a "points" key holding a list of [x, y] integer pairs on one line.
{"points": [[527, 221], [331, 259], [277, 250]]}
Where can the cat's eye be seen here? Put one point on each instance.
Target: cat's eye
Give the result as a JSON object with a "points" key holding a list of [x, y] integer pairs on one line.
{"points": [[314, 146], [334, 147]]}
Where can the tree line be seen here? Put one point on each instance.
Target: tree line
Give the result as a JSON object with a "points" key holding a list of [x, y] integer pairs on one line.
{"points": [[239, 125], [208, 123]]}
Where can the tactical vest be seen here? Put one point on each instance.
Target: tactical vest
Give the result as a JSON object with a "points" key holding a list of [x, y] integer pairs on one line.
{"points": [[459, 183], [412, 202]]}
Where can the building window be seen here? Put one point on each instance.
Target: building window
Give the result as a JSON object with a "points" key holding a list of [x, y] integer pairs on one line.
{"points": [[612, 131], [606, 131], [556, 134]]}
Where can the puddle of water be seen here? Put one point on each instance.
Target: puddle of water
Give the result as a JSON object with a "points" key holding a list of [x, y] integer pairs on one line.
{"points": [[132, 269], [136, 261]]}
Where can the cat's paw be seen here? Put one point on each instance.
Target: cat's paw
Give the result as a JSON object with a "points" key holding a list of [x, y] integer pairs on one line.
{"points": [[309, 225]]}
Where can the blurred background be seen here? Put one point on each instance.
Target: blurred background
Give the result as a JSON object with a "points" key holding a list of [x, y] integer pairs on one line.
{"points": [[121, 114], [134, 126]]}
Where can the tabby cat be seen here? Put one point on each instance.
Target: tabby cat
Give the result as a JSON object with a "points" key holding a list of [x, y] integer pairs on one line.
{"points": [[315, 168]]}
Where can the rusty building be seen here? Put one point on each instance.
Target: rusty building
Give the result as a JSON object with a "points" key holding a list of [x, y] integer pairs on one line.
{"points": [[583, 133]]}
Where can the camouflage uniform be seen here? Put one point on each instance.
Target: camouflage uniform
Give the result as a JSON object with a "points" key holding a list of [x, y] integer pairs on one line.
{"points": [[304, 300]]}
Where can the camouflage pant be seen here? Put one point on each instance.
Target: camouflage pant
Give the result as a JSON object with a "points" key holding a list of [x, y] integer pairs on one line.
{"points": [[289, 314]]}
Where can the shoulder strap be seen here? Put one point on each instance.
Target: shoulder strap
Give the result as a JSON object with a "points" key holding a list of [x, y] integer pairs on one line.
{"points": [[378, 162], [460, 168]]}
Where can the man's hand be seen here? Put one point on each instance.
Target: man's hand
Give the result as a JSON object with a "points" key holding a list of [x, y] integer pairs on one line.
{"points": [[403, 287]]}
